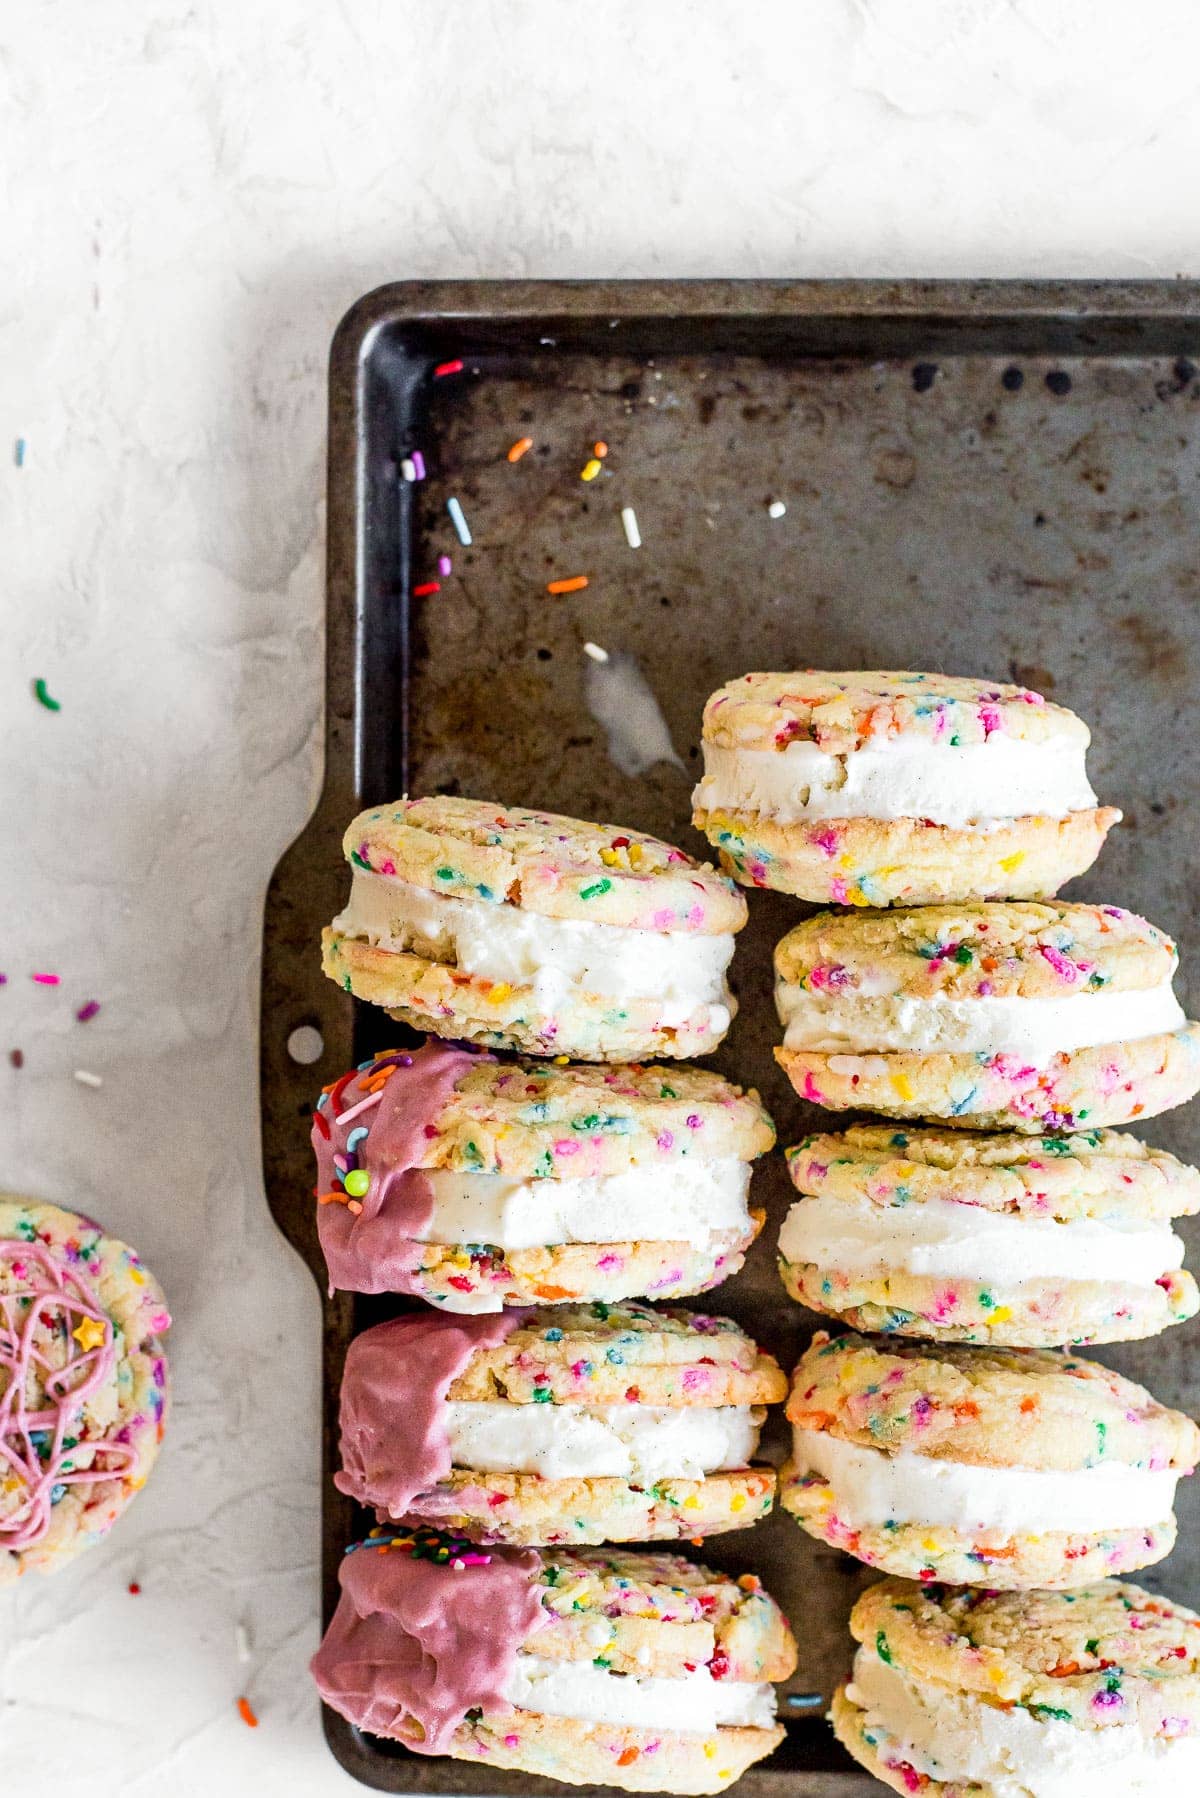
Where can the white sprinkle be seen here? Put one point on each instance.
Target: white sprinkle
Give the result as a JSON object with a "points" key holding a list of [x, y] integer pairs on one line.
{"points": [[408, 469], [458, 520], [86, 1079], [594, 650], [776, 509], [632, 535], [241, 1642]]}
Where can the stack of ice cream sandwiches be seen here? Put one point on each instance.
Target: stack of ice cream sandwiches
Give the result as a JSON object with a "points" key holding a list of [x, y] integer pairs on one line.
{"points": [[533, 1173], [999, 1220]]}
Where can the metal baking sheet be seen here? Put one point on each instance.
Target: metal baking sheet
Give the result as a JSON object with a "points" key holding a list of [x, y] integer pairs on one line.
{"points": [[992, 479]]}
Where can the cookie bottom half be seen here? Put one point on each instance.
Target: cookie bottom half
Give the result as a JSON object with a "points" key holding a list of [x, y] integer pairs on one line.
{"points": [[1032, 1314], [905, 861], [433, 996], [1055, 1560], [529, 1511], [1114, 1083], [886, 1763]]}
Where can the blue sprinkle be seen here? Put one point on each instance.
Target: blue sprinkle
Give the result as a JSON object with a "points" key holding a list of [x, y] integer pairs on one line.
{"points": [[458, 520], [57, 1492], [354, 1138], [19, 452], [554, 1335]]}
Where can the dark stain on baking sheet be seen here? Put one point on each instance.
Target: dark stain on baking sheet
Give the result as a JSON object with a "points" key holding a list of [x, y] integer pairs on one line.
{"points": [[987, 480]]}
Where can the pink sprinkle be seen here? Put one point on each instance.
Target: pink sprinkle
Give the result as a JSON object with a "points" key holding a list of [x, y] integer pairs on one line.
{"points": [[388, 867], [566, 1147], [87, 1012], [837, 890], [1066, 970], [343, 1117], [812, 1091], [445, 565], [418, 462], [665, 1141], [826, 841], [662, 919], [46, 979], [990, 719], [511, 1741], [694, 1122]]}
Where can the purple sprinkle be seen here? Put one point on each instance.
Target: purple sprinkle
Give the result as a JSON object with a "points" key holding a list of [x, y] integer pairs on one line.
{"points": [[445, 565], [87, 1012], [418, 462]]}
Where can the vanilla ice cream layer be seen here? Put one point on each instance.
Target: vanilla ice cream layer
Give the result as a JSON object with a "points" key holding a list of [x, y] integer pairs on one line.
{"points": [[972, 785], [871, 1488], [1036, 1030], [681, 971], [689, 1200], [643, 1443], [958, 1738], [695, 1703], [940, 1238]]}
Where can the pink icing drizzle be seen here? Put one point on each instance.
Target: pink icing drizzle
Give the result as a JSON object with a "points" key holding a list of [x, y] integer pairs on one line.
{"points": [[395, 1442], [374, 1250], [413, 1646], [59, 1305]]}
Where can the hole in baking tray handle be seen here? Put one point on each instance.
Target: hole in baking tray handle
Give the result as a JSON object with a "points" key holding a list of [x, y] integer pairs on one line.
{"points": [[305, 1045]]}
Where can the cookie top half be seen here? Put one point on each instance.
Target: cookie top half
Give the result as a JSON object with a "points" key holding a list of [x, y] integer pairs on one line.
{"points": [[993, 949], [988, 1407], [534, 1119], [1108, 1653], [1100, 1174], [599, 1354], [841, 712], [541, 862]]}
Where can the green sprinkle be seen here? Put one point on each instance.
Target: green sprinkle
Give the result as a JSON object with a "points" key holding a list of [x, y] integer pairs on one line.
{"points": [[882, 1649], [1093, 1646], [1101, 1435], [597, 887], [542, 1395], [1050, 1710], [598, 1660], [963, 956], [43, 697], [444, 874], [360, 861]]}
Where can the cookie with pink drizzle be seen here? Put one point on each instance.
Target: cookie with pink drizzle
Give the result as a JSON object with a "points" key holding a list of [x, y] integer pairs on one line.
{"points": [[1038, 1018], [526, 930], [573, 1423], [476, 1183], [83, 1383], [894, 788], [645, 1672], [1007, 1468]]}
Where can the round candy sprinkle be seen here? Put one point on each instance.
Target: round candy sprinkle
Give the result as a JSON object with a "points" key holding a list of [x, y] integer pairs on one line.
{"points": [[357, 1183]]}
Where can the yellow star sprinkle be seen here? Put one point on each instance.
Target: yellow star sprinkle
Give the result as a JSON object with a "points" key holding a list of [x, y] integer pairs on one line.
{"points": [[89, 1333]]}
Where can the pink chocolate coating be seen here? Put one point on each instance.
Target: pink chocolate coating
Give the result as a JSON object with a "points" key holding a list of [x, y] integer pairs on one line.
{"points": [[374, 1249], [395, 1441], [414, 1645]]}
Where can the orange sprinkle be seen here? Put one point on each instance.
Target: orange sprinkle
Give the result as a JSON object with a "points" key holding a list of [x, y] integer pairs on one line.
{"points": [[519, 448], [354, 1207], [246, 1713], [575, 585], [696, 1541], [627, 1757], [332, 1198], [600, 449]]}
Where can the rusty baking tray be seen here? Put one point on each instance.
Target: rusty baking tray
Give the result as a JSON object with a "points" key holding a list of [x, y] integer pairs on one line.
{"points": [[992, 478]]}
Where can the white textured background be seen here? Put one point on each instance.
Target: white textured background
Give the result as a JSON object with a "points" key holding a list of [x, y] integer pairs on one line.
{"points": [[193, 192]]}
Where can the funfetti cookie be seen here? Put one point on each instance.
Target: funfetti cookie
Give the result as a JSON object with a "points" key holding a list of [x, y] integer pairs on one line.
{"points": [[83, 1383], [595, 1666], [525, 930], [1040, 1018], [569, 1424], [1027, 1241], [896, 789], [961, 1694], [982, 1466], [476, 1183]]}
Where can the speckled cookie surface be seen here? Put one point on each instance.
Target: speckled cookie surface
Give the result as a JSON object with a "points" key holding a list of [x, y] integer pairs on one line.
{"points": [[1059, 1655], [555, 866], [81, 1317], [1098, 1174], [1113, 1084], [1002, 950], [839, 712], [995, 1558], [599, 1354], [434, 996], [1041, 1313], [905, 861], [528, 1510], [475, 1276], [984, 1406]]}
